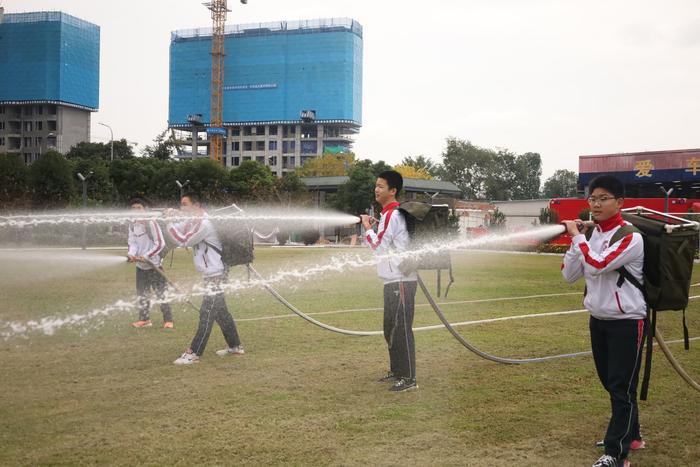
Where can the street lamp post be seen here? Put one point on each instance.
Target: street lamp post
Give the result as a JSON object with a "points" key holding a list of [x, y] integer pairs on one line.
{"points": [[111, 141], [182, 187], [666, 194], [83, 179]]}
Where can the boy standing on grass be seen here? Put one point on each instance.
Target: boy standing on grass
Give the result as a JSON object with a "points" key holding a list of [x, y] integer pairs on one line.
{"points": [[618, 310], [399, 289], [145, 242], [199, 233]]}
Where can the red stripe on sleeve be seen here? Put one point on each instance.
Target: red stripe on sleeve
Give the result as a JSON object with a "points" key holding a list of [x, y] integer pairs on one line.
{"points": [[159, 239], [608, 259]]}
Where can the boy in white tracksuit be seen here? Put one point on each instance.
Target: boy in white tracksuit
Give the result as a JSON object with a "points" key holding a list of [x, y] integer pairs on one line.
{"points": [[618, 311], [200, 234], [146, 242], [399, 289]]}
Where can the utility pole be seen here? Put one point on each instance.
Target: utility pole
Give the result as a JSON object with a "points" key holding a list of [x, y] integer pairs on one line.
{"points": [[111, 141], [182, 187]]}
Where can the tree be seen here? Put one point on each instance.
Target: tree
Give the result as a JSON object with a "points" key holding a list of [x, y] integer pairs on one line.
{"points": [[207, 178], [497, 220], [13, 181], [99, 185], [51, 180], [548, 216], [289, 188], [328, 165], [162, 147], [562, 184], [357, 194], [421, 162], [528, 170], [252, 181], [467, 166], [408, 171], [86, 150]]}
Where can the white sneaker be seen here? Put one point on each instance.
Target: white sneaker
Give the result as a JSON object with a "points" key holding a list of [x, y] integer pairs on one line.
{"points": [[187, 359], [238, 350]]}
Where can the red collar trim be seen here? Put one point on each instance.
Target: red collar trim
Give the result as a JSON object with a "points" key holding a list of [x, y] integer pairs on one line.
{"points": [[609, 224], [391, 206]]}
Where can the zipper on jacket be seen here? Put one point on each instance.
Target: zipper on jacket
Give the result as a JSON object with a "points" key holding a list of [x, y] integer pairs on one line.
{"points": [[619, 306]]}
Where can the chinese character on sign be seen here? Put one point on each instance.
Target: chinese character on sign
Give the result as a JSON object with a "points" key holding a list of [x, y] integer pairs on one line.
{"points": [[643, 168], [693, 166]]}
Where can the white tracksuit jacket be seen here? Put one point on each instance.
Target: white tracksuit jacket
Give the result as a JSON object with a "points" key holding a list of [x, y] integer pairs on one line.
{"points": [[596, 261], [199, 234], [391, 236], [146, 239]]}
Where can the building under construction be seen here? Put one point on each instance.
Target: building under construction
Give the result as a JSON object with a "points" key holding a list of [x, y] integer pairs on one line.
{"points": [[49, 81], [292, 90]]}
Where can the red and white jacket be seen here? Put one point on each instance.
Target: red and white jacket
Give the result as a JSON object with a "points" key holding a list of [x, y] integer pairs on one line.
{"points": [[596, 261], [391, 236], [200, 234], [146, 239]]}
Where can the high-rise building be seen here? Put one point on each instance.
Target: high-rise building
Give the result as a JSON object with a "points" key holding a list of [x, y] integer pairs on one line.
{"points": [[292, 90], [49, 81]]}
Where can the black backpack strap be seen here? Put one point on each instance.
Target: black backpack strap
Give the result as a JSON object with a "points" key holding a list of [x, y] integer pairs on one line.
{"points": [[686, 340], [651, 331]]}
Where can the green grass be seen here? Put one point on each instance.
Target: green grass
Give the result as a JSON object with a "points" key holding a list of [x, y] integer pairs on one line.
{"points": [[109, 394]]}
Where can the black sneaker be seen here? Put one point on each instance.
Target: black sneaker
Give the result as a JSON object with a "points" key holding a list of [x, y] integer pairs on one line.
{"points": [[404, 384], [388, 377]]}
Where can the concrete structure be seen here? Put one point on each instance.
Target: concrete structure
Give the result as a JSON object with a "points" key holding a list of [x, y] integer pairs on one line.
{"points": [[521, 213], [292, 91], [49, 81], [644, 173]]}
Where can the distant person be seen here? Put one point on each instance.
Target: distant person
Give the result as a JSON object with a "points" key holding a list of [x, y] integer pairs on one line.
{"points": [[399, 289], [146, 242], [200, 234], [618, 311]]}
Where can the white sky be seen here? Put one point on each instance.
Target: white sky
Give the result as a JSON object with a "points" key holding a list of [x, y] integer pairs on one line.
{"points": [[558, 77]]}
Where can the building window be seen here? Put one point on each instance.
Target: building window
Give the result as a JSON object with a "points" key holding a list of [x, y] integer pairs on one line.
{"points": [[2, 109], [51, 125], [259, 130], [247, 131], [236, 161], [236, 131], [260, 145], [28, 111], [27, 158], [37, 141], [27, 142], [39, 126], [236, 146], [2, 141], [52, 110], [247, 145], [273, 129], [28, 126], [272, 146], [39, 110], [288, 146], [2, 125]]}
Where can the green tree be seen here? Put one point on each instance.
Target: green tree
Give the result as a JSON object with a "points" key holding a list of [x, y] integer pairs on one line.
{"points": [[163, 148], [252, 181], [468, 166], [548, 216], [99, 185], [51, 180], [357, 194], [86, 150], [14, 176], [422, 162], [207, 178], [528, 172], [562, 184], [497, 220], [290, 189], [327, 165]]}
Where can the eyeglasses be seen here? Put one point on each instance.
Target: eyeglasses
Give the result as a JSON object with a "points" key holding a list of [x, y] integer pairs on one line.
{"points": [[601, 200]]}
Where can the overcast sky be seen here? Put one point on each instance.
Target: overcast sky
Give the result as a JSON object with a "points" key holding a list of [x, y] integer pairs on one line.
{"points": [[558, 77]]}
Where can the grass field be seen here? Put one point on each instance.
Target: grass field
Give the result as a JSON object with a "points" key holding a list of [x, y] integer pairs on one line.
{"points": [[106, 393]]}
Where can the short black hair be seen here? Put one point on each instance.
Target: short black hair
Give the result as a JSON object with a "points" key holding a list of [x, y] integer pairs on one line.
{"points": [[137, 200], [393, 179], [608, 183], [194, 197]]}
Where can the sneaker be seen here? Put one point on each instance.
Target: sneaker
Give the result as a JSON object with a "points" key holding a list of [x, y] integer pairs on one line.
{"points": [[238, 350], [388, 377], [609, 461], [187, 358], [634, 445], [168, 325], [144, 323], [404, 384]]}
